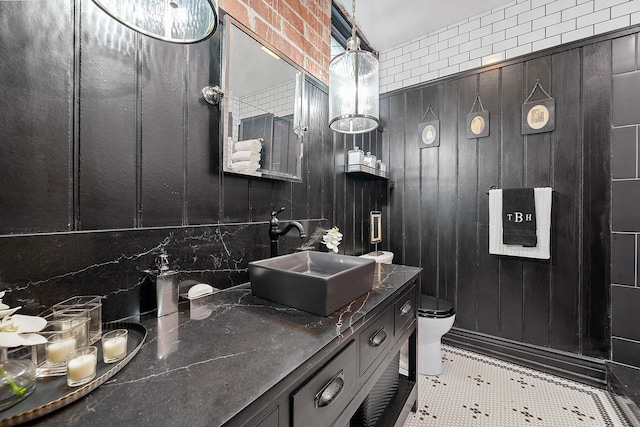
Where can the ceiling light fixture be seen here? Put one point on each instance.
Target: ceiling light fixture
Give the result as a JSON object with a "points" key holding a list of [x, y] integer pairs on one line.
{"points": [[176, 21], [354, 103]]}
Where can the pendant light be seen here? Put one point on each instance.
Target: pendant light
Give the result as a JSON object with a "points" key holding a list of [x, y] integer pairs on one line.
{"points": [[354, 88], [176, 21]]}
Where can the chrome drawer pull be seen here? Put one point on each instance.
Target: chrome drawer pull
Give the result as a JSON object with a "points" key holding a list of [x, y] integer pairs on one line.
{"points": [[330, 391], [406, 308], [378, 338]]}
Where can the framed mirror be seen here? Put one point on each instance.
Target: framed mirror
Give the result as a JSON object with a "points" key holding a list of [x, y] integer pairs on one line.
{"points": [[262, 110]]}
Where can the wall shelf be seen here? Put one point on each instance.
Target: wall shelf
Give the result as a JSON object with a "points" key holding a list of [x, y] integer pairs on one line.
{"points": [[366, 172]]}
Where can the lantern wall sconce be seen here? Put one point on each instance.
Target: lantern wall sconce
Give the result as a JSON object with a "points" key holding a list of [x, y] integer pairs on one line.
{"points": [[354, 88]]}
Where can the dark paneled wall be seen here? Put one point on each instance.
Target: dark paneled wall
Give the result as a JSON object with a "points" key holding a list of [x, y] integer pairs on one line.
{"points": [[625, 294], [110, 131], [35, 124], [109, 154], [355, 196], [440, 195]]}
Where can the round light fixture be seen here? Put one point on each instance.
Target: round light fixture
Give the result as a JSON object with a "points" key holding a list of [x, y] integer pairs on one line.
{"points": [[176, 21]]}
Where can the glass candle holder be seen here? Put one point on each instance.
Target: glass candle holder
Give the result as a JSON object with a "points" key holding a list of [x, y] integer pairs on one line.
{"points": [[37, 353], [93, 305], [81, 366], [114, 345], [58, 347], [71, 319]]}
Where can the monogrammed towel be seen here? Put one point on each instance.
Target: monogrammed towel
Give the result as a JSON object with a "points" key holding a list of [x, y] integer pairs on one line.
{"points": [[519, 217], [543, 199]]}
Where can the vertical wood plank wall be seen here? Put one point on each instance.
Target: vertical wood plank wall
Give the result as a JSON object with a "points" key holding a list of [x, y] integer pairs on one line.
{"points": [[439, 202], [103, 128]]}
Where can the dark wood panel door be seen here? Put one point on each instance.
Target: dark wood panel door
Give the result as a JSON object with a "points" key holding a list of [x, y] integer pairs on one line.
{"points": [[36, 125], [163, 133], [469, 277], [537, 167], [566, 179], [203, 135], [489, 149], [595, 298]]}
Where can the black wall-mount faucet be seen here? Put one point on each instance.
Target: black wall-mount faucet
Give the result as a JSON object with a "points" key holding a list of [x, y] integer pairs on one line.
{"points": [[275, 232]]}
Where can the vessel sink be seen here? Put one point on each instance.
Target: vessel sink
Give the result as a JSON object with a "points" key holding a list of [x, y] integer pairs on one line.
{"points": [[317, 282]]}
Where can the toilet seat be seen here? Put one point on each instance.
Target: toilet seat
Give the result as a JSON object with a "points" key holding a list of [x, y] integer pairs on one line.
{"points": [[433, 307]]}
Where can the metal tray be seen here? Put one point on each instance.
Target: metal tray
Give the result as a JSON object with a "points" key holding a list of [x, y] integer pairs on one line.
{"points": [[53, 393]]}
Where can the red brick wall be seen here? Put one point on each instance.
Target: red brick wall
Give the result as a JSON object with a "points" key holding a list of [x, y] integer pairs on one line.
{"points": [[300, 29]]}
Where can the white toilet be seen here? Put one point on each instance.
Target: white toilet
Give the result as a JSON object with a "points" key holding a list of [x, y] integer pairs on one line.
{"points": [[381, 257], [435, 318]]}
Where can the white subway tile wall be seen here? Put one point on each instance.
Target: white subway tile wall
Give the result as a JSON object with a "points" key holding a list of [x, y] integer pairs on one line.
{"points": [[276, 99], [517, 28]]}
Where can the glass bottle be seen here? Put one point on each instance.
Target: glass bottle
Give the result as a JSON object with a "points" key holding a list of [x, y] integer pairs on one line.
{"points": [[356, 156], [370, 160]]}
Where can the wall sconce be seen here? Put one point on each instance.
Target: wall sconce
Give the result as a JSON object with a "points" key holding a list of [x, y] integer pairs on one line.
{"points": [[354, 88], [212, 94], [176, 21]]}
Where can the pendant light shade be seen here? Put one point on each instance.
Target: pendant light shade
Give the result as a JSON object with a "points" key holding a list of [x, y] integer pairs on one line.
{"points": [[354, 90], [177, 21]]}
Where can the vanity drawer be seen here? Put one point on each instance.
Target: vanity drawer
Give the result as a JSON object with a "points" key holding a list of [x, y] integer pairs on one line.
{"points": [[375, 339], [405, 310], [324, 397]]}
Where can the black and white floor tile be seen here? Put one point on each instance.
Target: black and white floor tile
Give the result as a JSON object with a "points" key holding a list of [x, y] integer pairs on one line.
{"points": [[475, 390]]}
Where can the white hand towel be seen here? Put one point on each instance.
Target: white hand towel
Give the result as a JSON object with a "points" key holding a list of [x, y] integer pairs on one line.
{"points": [[253, 145], [245, 165], [543, 198], [239, 156]]}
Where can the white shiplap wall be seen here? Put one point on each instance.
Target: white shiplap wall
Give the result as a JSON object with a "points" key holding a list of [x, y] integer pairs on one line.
{"points": [[515, 29]]}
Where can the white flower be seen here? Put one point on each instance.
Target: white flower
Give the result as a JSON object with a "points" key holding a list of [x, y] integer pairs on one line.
{"points": [[332, 239], [18, 329]]}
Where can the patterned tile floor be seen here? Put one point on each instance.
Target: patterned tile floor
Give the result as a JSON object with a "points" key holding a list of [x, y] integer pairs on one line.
{"points": [[475, 390]]}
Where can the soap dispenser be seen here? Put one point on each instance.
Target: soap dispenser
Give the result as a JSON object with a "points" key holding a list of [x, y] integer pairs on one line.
{"points": [[166, 286]]}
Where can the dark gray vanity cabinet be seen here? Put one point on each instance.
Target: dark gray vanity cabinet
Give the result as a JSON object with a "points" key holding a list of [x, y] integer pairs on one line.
{"points": [[235, 359], [331, 388], [323, 398]]}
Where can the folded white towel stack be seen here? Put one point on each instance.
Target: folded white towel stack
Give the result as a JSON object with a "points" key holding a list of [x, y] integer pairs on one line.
{"points": [[246, 155], [245, 165], [240, 156], [543, 197], [253, 145]]}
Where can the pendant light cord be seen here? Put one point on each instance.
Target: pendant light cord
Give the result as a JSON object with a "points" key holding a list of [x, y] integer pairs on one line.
{"points": [[353, 19]]}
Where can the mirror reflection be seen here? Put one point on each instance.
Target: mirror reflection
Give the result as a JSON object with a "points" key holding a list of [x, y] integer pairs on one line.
{"points": [[262, 109]]}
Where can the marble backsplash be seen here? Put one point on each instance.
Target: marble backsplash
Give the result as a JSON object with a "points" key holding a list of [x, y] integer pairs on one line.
{"points": [[36, 271]]}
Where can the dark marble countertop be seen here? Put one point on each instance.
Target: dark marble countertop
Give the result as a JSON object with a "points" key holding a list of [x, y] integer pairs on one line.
{"points": [[205, 364]]}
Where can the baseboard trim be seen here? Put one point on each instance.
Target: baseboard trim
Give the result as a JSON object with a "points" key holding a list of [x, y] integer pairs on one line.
{"points": [[567, 365]]}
